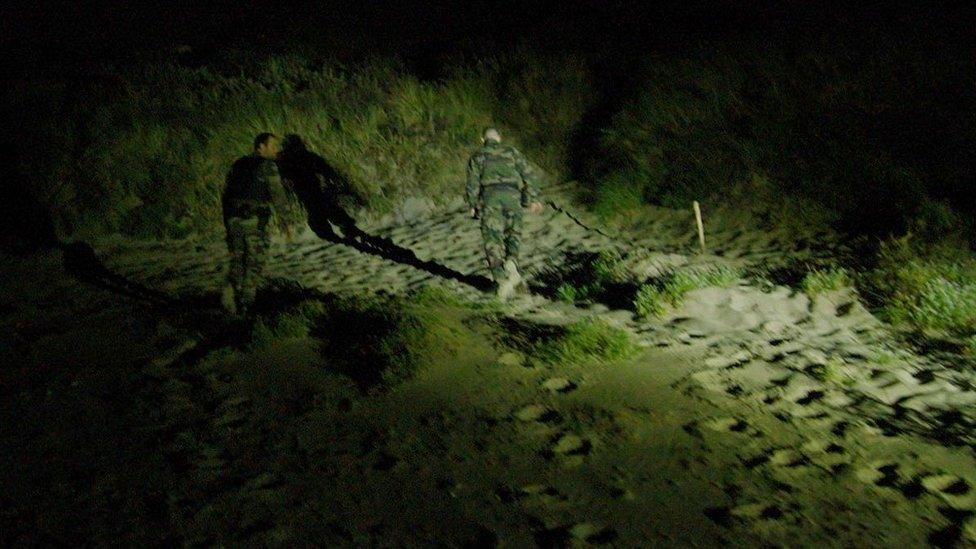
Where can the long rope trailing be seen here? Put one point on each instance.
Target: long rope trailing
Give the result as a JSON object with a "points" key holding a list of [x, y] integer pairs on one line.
{"points": [[565, 211]]}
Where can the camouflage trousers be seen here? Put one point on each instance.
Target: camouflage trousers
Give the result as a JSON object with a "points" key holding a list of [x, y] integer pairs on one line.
{"points": [[247, 241], [501, 227]]}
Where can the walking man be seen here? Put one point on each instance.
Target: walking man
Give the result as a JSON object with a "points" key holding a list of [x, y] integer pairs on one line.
{"points": [[500, 186], [253, 184]]}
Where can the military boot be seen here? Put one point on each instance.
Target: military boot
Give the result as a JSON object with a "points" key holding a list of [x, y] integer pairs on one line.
{"points": [[227, 299], [511, 281]]}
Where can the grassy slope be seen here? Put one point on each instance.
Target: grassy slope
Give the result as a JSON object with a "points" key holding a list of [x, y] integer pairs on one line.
{"points": [[823, 136], [144, 150]]}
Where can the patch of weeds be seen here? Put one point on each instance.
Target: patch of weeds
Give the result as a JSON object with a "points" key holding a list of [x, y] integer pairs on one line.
{"points": [[590, 339], [383, 341], [654, 298], [969, 346], [885, 358], [650, 301], [295, 323], [930, 288], [819, 281], [569, 293], [608, 267], [435, 295], [588, 276]]}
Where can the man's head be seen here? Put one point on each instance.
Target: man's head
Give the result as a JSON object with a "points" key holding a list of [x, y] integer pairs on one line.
{"points": [[491, 135], [266, 145]]}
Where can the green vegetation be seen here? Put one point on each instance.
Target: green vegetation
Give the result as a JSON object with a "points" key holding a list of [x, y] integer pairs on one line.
{"points": [[295, 323], [819, 281], [654, 299], [833, 371], [587, 340], [144, 150], [591, 275], [382, 341], [782, 136], [931, 288], [650, 301]]}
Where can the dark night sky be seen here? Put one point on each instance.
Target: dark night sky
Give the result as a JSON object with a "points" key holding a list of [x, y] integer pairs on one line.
{"points": [[43, 34]]}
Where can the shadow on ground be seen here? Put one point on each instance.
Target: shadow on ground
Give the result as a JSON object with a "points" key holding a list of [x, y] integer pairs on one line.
{"points": [[319, 187]]}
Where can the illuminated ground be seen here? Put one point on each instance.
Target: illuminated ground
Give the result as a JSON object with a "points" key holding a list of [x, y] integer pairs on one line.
{"points": [[751, 415]]}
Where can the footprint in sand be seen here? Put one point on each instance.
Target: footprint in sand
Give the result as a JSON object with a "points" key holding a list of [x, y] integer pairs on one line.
{"points": [[580, 533], [532, 494], [537, 413], [956, 491], [559, 385], [569, 444], [729, 424], [749, 512], [789, 458]]}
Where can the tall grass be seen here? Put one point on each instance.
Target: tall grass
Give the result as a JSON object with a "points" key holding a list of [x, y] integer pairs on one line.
{"points": [[926, 287], [824, 131], [145, 150]]}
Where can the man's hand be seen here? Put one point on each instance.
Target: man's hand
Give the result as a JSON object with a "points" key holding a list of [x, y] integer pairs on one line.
{"points": [[535, 207], [474, 213]]}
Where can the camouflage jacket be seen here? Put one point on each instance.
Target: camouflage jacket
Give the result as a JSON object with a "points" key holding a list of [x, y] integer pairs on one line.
{"points": [[253, 186], [497, 164]]}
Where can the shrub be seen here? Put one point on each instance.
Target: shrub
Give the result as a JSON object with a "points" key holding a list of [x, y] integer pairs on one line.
{"points": [[382, 341], [703, 125], [683, 281], [819, 281], [654, 298], [296, 323], [591, 339], [144, 149], [650, 301], [924, 286]]}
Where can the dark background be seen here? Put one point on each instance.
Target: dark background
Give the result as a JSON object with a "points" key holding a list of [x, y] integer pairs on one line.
{"points": [[44, 35], [68, 41]]}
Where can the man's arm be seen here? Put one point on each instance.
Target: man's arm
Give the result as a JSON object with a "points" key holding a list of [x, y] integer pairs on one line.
{"points": [[473, 188], [271, 178], [530, 183]]}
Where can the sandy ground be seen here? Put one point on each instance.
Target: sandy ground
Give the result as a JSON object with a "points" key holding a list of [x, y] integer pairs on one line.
{"points": [[751, 416]]}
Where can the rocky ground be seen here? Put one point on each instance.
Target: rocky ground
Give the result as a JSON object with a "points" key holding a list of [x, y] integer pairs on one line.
{"points": [[750, 415]]}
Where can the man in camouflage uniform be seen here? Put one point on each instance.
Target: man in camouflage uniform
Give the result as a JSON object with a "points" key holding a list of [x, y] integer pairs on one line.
{"points": [[252, 185], [500, 185]]}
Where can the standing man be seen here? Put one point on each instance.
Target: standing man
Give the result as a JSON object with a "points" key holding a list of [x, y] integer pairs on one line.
{"points": [[252, 185], [500, 185]]}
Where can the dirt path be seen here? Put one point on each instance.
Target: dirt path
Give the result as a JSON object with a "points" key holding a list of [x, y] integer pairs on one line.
{"points": [[751, 415]]}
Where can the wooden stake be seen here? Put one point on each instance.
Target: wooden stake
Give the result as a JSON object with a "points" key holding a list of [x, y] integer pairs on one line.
{"points": [[701, 227]]}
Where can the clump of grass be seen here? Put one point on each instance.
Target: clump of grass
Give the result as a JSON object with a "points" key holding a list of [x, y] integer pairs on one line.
{"points": [[819, 281], [591, 339], [167, 134], [591, 276], [568, 293], [650, 301], [969, 346], [654, 299], [608, 267], [296, 323], [383, 341], [928, 288], [683, 281]]}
